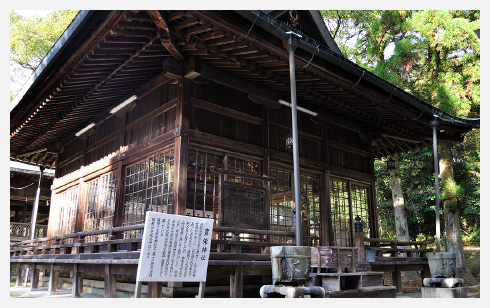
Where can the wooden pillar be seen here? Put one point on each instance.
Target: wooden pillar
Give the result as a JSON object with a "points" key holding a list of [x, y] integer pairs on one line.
{"points": [[171, 286], [154, 289], [34, 278], [373, 211], [397, 279], [180, 174], [359, 244], [359, 239], [109, 283], [53, 280], [236, 282], [77, 282], [181, 147], [20, 275], [24, 213], [117, 220], [324, 208]]}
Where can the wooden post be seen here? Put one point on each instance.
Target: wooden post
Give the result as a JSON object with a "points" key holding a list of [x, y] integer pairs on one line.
{"points": [[181, 147], [397, 279], [236, 282], [77, 282], [53, 280], [154, 289], [34, 278], [359, 242], [109, 283], [20, 276], [172, 285]]}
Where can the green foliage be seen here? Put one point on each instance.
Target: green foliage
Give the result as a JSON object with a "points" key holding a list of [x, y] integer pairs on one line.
{"points": [[31, 38], [436, 57], [416, 170]]}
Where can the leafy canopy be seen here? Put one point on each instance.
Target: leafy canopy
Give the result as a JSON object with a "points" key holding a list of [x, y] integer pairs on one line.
{"points": [[31, 38], [435, 55]]}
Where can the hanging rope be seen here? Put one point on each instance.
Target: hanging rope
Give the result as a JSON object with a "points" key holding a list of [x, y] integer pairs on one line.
{"points": [[359, 79], [415, 119], [23, 187], [394, 89], [317, 50], [240, 37]]}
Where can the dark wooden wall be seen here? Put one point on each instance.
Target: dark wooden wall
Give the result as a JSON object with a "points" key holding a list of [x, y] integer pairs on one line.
{"points": [[221, 118]]}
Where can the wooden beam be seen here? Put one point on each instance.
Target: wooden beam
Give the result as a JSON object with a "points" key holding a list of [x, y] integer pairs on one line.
{"points": [[236, 83], [165, 35], [199, 103]]}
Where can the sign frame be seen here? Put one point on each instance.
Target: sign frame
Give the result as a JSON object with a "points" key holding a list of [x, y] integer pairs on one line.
{"points": [[174, 248]]}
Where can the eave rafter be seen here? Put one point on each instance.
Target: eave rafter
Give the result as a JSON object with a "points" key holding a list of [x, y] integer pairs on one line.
{"points": [[272, 69], [70, 66], [166, 35], [89, 94]]}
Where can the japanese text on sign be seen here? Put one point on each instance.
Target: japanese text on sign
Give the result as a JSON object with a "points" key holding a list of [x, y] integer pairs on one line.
{"points": [[174, 248]]}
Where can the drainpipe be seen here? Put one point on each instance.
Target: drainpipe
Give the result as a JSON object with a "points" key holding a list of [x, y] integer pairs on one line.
{"points": [[36, 204], [291, 45], [436, 171]]}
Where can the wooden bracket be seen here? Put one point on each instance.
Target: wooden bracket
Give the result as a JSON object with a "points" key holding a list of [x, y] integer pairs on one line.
{"points": [[165, 35]]}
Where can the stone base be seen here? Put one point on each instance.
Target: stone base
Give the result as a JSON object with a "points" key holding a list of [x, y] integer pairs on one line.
{"points": [[443, 282], [431, 292], [290, 291]]}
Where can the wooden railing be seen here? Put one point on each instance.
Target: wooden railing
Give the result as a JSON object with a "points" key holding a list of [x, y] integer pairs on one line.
{"points": [[23, 230], [386, 248], [228, 244], [393, 256]]}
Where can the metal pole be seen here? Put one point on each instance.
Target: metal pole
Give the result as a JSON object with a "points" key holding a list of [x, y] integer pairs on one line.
{"points": [[436, 171], [36, 205], [291, 46]]}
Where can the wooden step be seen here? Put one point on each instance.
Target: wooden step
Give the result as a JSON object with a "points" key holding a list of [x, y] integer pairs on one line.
{"points": [[370, 273], [349, 281], [365, 292]]}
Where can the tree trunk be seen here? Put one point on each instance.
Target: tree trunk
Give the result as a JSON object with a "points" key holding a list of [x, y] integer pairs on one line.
{"points": [[399, 203], [452, 225]]}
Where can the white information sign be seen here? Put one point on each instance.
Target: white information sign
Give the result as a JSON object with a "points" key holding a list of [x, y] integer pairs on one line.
{"points": [[174, 248]]}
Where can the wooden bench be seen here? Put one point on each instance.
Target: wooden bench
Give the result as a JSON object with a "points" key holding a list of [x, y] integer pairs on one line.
{"points": [[395, 256]]}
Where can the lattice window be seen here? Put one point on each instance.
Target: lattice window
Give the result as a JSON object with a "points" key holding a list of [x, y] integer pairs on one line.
{"points": [[281, 218], [65, 207], [99, 205], [281, 206], [202, 184], [243, 166], [310, 204], [347, 200], [340, 211], [148, 187], [360, 205]]}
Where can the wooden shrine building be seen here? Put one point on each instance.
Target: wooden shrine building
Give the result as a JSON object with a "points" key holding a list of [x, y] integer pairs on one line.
{"points": [[187, 112]]}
